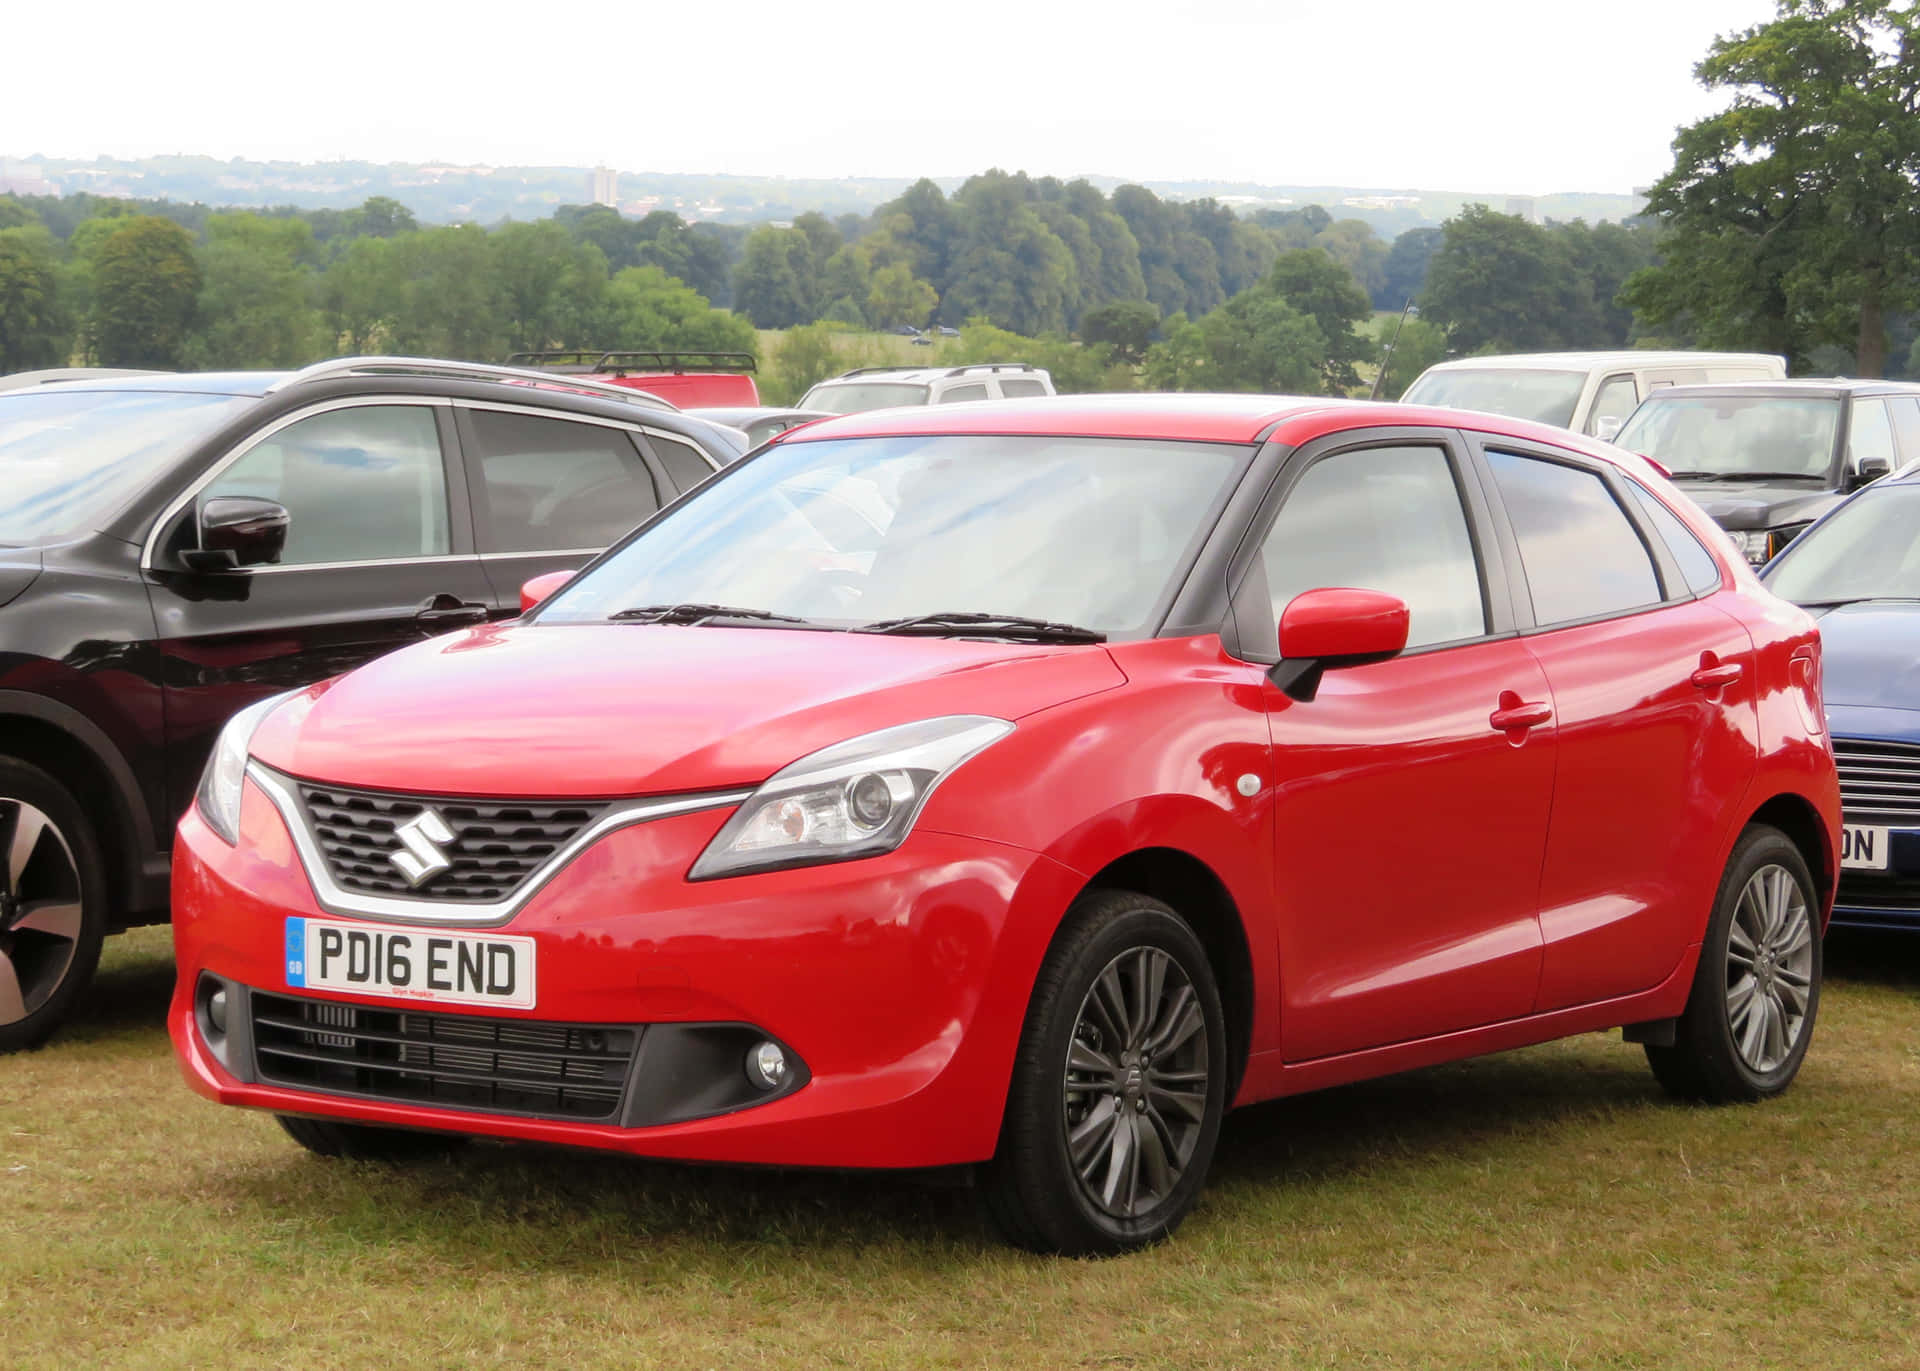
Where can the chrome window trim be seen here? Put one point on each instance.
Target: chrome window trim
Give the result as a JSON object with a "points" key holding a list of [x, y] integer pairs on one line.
{"points": [[543, 552], [279, 790], [214, 472]]}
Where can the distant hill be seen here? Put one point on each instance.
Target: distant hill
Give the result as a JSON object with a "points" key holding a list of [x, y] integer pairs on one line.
{"points": [[438, 193]]}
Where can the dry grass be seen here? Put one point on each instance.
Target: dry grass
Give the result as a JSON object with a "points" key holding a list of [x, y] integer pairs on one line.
{"points": [[1545, 1208]]}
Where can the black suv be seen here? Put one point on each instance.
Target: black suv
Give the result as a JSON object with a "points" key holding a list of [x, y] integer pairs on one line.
{"points": [[1767, 458], [175, 547]]}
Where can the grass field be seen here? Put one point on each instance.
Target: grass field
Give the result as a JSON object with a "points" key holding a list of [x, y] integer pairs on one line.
{"points": [[1546, 1208]]}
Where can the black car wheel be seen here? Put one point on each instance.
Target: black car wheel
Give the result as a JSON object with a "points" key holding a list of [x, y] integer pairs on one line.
{"points": [[1750, 1014], [1119, 1085], [52, 904]]}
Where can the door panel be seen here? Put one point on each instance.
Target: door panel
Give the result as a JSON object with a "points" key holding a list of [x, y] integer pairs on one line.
{"points": [[1647, 759], [1409, 833]]}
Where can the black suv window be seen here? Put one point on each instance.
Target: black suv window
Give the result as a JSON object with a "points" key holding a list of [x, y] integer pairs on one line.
{"points": [[1870, 435], [1583, 558], [362, 484], [1385, 519], [552, 484], [683, 463]]}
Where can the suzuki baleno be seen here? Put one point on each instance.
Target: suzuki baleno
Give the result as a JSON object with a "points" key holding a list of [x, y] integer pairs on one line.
{"points": [[1021, 787]]}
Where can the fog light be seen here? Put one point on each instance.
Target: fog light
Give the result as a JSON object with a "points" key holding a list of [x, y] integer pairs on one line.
{"points": [[217, 1010], [767, 1066]]}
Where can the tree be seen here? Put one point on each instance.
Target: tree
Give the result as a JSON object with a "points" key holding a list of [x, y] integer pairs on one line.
{"points": [[1325, 291], [897, 296], [1501, 284], [256, 304], [1793, 215], [145, 284], [1418, 346], [807, 354], [773, 284], [846, 283], [1125, 325], [1404, 274], [359, 293], [35, 328], [550, 287], [646, 308], [450, 304], [1255, 342]]}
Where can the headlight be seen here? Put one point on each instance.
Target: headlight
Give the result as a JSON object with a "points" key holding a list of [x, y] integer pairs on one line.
{"points": [[219, 795], [1752, 543], [854, 799]]}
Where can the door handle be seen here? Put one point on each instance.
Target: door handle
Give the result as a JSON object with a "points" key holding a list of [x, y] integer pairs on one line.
{"points": [[449, 611], [1713, 676], [1515, 713]]}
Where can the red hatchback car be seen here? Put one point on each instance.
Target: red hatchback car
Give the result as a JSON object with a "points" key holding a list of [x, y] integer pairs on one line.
{"points": [[1023, 786]]}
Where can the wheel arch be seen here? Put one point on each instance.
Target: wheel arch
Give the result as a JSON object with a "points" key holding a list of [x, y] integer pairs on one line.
{"points": [[1191, 888], [1795, 816], [74, 751]]}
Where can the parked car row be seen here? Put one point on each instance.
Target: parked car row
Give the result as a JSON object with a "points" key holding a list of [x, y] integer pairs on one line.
{"points": [[1015, 787]]}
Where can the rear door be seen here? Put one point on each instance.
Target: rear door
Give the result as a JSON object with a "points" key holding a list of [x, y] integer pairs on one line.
{"points": [[1652, 690], [379, 554]]}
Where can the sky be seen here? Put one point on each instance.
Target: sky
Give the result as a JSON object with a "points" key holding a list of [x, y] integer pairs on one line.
{"points": [[1513, 96]]}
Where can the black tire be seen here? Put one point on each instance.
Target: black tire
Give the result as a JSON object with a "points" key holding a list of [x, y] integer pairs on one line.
{"points": [[1126, 1110], [53, 904], [361, 1142], [1725, 1048]]}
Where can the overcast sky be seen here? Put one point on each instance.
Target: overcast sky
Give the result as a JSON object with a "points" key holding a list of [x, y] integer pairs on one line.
{"points": [[1518, 96]]}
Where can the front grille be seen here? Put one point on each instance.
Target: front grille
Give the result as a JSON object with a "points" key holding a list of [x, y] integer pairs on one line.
{"points": [[495, 845], [1866, 890], [1879, 782], [456, 1061]]}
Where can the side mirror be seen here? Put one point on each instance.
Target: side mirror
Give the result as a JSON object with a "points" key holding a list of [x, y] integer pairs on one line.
{"points": [[1607, 427], [1332, 628], [237, 531], [540, 587], [1870, 470]]}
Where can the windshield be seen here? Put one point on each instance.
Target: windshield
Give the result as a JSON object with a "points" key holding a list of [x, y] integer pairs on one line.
{"points": [[1085, 531], [1735, 435], [833, 397], [1547, 397], [1868, 550], [69, 458]]}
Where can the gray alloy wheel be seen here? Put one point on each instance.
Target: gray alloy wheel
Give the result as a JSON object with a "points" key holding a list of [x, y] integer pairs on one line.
{"points": [[1769, 968], [41, 922], [1135, 1083]]}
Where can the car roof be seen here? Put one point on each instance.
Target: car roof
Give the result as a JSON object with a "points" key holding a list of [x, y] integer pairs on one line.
{"points": [[1587, 361], [247, 383], [1181, 416], [1803, 385], [916, 375]]}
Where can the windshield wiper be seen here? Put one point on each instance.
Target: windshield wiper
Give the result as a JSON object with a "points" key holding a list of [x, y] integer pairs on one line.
{"points": [[1859, 600], [971, 624], [1749, 476], [694, 614]]}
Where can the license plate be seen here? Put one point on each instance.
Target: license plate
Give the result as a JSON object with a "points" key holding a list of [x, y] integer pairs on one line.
{"points": [[411, 963], [1863, 849]]}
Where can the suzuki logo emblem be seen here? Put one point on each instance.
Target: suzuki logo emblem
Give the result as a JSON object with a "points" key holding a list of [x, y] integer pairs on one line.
{"points": [[422, 859]]}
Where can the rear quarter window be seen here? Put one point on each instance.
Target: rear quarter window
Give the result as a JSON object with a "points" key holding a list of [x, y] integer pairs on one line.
{"points": [[1702, 573]]}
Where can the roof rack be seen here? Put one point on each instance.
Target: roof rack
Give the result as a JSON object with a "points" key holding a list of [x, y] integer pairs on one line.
{"points": [[593, 360], [465, 371], [944, 371]]}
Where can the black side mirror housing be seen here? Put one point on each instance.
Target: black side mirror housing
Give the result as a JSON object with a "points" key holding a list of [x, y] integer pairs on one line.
{"points": [[1871, 469], [237, 531]]}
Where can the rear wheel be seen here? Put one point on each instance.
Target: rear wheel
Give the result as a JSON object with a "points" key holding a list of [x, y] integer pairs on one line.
{"points": [[1119, 1085], [52, 904], [361, 1142], [1750, 1015]]}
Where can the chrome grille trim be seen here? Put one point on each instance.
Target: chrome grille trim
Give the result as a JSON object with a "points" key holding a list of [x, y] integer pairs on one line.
{"points": [[283, 791], [1879, 782]]}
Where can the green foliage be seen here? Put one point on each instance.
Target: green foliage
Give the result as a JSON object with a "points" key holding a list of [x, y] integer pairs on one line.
{"points": [[35, 329], [1310, 280], [1501, 284], [1794, 214], [809, 354], [144, 285], [646, 308], [359, 291], [1125, 325], [1076, 368], [256, 303], [450, 303], [1404, 274], [1418, 346], [897, 296], [1255, 342], [551, 288], [774, 284]]}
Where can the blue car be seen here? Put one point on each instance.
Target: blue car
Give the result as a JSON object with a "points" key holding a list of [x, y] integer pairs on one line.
{"points": [[1858, 569]]}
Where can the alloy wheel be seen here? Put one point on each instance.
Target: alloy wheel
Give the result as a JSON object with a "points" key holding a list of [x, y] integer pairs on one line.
{"points": [[1769, 968], [40, 909], [1136, 1082]]}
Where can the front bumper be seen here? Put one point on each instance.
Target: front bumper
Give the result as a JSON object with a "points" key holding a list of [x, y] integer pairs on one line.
{"points": [[900, 981]]}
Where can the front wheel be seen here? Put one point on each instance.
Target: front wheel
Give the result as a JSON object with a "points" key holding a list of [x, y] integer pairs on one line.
{"points": [[52, 904], [1750, 1015], [1119, 1085]]}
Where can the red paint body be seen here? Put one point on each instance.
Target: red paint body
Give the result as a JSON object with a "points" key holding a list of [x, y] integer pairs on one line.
{"points": [[1449, 852]]}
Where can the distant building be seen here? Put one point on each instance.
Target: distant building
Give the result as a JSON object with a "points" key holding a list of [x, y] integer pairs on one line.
{"points": [[604, 186], [1383, 202], [24, 178], [1522, 207]]}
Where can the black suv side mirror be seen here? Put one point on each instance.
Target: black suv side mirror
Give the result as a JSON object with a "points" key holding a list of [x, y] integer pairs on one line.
{"points": [[1871, 469], [237, 531]]}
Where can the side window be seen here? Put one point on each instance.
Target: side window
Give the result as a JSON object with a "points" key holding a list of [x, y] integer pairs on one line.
{"points": [[1696, 563], [1386, 519], [361, 484], [958, 393], [1011, 386], [1583, 558], [1612, 403], [683, 463], [1906, 422], [1870, 435], [548, 484]]}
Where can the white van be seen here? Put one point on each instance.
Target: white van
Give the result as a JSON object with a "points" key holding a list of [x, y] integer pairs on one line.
{"points": [[884, 387], [1588, 392]]}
